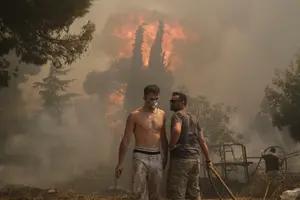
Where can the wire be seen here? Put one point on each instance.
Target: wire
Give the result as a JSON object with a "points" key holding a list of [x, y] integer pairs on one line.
{"points": [[213, 185]]}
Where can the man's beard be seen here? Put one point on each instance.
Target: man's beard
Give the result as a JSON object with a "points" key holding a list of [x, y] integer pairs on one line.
{"points": [[174, 109]]}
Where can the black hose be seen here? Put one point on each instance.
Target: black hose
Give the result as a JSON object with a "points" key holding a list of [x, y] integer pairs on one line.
{"points": [[256, 167], [212, 184]]}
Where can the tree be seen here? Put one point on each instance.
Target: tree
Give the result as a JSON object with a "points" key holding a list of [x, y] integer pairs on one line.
{"points": [[156, 58], [262, 122], [283, 97], [53, 92], [157, 71], [39, 32], [214, 118], [134, 74], [135, 80]]}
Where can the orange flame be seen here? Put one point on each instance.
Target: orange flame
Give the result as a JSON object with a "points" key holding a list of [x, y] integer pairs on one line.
{"points": [[126, 32], [117, 97]]}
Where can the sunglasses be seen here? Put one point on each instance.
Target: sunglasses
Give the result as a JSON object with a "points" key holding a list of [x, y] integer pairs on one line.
{"points": [[174, 100]]}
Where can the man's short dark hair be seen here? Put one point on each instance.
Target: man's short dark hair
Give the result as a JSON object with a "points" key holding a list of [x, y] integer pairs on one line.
{"points": [[273, 149], [182, 97], [151, 89]]}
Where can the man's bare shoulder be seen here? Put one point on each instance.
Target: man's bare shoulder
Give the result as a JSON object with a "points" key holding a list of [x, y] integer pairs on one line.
{"points": [[140, 110], [160, 112], [136, 113]]}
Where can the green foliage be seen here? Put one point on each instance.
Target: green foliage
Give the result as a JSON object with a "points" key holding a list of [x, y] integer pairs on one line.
{"points": [[38, 31], [53, 91], [283, 97]]}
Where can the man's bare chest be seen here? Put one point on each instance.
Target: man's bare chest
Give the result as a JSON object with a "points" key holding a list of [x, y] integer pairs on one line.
{"points": [[151, 122]]}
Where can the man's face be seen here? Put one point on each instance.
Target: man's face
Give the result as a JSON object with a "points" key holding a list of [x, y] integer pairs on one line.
{"points": [[151, 100], [175, 103]]}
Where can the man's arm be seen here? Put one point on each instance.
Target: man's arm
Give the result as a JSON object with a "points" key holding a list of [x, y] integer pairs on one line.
{"points": [[175, 130], [126, 138], [263, 153], [280, 161], [203, 144], [164, 141]]}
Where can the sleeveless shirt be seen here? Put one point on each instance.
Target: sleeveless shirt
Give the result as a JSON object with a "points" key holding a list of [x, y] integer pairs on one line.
{"points": [[188, 143]]}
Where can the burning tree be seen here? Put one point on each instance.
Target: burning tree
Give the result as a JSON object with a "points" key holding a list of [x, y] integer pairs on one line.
{"points": [[150, 63], [133, 38], [135, 79], [53, 92], [284, 99], [155, 73]]}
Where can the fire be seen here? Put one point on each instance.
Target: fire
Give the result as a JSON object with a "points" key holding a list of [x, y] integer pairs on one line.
{"points": [[117, 97], [119, 33], [126, 28]]}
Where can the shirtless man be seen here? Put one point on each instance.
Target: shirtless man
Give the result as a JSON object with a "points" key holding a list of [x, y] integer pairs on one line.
{"points": [[148, 125]]}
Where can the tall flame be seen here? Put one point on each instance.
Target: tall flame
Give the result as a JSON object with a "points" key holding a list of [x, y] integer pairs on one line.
{"points": [[173, 31], [122, 28]]}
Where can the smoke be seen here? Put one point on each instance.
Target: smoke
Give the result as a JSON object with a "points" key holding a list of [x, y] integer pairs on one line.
{"points": [[49, 154], [240, 44]]}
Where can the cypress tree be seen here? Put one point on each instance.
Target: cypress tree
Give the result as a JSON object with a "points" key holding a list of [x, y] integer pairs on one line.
{"points": [[156, 72], [133, 95]]}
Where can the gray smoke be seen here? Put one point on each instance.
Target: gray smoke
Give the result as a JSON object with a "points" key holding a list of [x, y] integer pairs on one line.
{"points": [[240, 44]]}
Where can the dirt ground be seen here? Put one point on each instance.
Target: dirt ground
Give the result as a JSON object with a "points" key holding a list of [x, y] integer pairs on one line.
{"points": [[28, 193]]}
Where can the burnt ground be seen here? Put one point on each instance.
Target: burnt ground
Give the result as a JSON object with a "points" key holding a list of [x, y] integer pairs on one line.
{"points": [[20, 192], [29, 193]]}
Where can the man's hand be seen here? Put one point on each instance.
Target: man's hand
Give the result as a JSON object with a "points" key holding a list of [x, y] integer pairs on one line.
{"points": [[171, 148], [208, 164], [124, 144], [118, 171]]}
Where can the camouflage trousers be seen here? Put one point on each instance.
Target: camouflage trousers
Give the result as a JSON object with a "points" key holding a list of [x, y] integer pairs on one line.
{"points": [[147, 175], [183, 179]]}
